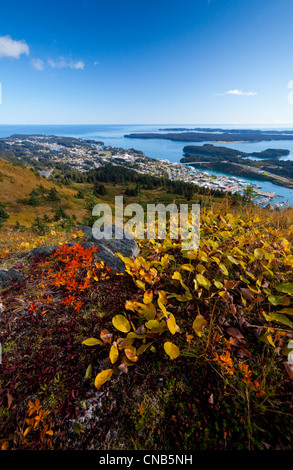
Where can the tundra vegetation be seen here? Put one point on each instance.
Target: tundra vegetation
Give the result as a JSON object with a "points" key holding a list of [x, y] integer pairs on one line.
{"points": [[184, 349]]}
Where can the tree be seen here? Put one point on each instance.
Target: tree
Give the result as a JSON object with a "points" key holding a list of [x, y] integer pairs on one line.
{"points": [[249, 194], [3, 215], [100, 190], [80, 194], [53, 195]]}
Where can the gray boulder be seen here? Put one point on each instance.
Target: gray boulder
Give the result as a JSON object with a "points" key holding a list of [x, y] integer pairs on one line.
{"points": [[9, 275], [107, 248]]}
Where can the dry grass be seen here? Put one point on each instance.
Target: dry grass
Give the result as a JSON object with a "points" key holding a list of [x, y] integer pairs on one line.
{"points": [[17, 183]]}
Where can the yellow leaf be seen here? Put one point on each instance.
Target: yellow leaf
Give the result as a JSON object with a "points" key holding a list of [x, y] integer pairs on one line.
{"points": [[178, 277], [114, 353], [140, 284], [163, 297], [148, 297], [152, 324], [171, 324], [5, 445], [223, 269], [149, 311], [102, 377], [155, 326], [200, 268], [187, 267], [92, 342], [172, 350], [130, 353], [27, 431], [218, 284], [135, 335], [267, 338], [202, 256], [121, 323], [198, 324], [259, 253], [129, 305], [124, 342], [203, 281]]}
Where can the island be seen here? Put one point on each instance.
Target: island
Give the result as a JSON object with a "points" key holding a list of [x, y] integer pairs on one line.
{"points": [[235, 162], [216, 151], [233, 135]]}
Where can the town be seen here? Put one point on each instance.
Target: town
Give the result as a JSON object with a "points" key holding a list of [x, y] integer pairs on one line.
{"points": [[46, 152]]}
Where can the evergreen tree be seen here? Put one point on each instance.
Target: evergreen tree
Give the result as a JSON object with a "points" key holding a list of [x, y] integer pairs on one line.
{"points": [[53, 195], [3, 215]]}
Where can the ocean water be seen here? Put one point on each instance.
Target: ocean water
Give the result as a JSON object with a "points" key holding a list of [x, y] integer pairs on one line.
{"points": [[157, 148]]}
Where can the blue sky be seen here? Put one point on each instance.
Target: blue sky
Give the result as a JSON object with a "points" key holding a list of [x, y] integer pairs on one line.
{"points": [[146, 61]]}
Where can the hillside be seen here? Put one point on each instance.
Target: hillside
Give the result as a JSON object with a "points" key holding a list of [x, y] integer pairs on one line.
{"points": [[17, 182], [183, 349]]}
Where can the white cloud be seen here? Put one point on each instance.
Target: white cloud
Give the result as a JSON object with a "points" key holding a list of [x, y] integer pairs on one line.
{"points": [[96, 62], [11, 48], [240, 92], [38, 64], [62, 63]]}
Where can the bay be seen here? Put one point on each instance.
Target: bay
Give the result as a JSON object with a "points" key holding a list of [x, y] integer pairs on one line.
{"points": [[113, 135]]}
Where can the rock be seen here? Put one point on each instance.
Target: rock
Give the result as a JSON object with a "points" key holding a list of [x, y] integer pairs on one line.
{"points": [[125, 244], [107, 248], [9, 275], [43, 250]]}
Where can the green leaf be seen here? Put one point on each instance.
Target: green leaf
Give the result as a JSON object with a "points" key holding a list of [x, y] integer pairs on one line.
{"points": [[223, 269], [203, 281], [143, 347], [287, 288], [88, 373], [288, 311], [278, 300], [279, 318], [77, 428], [231, 259]]}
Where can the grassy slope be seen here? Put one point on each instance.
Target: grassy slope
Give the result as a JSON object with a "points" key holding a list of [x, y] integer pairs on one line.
{"points": [[17, 182], [226, 390]]}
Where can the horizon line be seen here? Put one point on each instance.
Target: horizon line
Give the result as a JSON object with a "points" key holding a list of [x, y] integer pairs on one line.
{"points": [[152, 124]]}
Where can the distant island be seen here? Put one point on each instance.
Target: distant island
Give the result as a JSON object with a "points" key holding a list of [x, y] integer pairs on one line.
{"points": [[211, 135], [230, 131], [212, 150]]}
